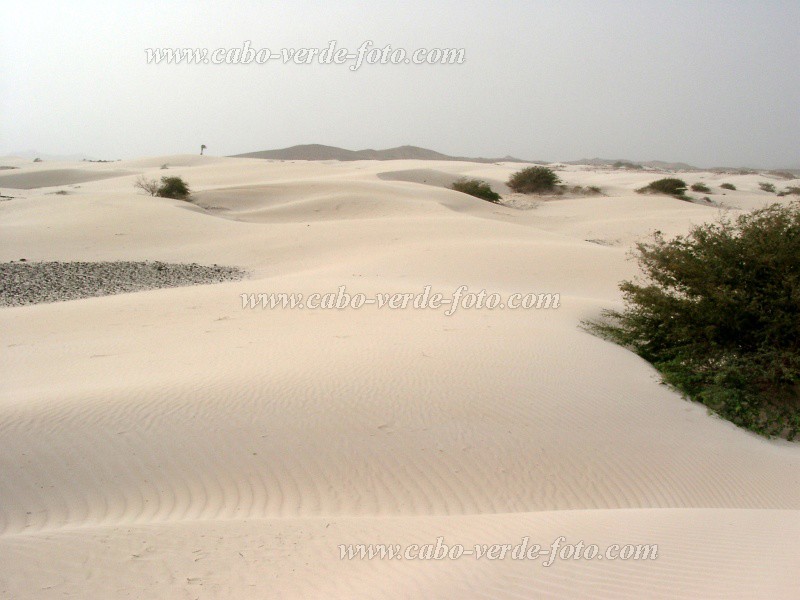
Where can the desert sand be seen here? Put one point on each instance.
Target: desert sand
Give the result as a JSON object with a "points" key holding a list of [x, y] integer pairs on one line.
{"points": [[171, 444]]}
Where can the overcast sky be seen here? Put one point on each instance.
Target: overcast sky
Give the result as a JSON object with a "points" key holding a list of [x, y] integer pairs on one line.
{"points": [[709, 83]]}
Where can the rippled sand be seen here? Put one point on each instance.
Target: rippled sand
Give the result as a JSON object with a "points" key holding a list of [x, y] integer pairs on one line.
{"points": [[170, 444]]}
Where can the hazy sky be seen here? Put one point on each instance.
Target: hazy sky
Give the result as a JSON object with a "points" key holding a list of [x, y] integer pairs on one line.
{"points": [[709, 83]]}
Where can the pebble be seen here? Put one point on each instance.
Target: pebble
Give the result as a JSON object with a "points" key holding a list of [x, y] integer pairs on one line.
{"points": [[25, 282]]}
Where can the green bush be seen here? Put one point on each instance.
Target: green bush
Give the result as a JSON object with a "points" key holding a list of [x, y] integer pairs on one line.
{"points": [[767, 187], [670, 186], [477, 188], [701, 187], [718, 314], [534, 180], [170, 187], [173, 187], [790, 191], [728, 186], [624, 164]]}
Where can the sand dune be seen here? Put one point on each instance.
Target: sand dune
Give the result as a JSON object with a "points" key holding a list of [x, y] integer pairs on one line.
{"points": [[282, 558], [438, 178], [31, 179], [170, 444]]}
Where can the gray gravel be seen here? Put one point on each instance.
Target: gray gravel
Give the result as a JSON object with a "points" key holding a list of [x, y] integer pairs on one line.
{"points": [[24, 282]]}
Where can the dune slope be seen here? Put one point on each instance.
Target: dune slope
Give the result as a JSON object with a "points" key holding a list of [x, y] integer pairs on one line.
{"points": [[172, 444]]}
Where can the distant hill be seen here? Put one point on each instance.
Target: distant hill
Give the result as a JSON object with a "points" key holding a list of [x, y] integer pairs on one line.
{"points": [[648, 164], [320, 152], [779, 173]]}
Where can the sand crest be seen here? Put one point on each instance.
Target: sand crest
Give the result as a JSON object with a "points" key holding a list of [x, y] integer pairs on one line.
{"points": [[170, 444]]}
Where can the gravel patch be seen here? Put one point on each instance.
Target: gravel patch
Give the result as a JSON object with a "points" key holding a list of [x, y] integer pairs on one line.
{"points": [[23, 283]]}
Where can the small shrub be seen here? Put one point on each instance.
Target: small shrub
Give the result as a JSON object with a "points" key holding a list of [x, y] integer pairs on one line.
{"points": [[534, 180], [717, 314], [578, 189], [37, 160], [169, 187], [701, 187], [173, 187], [767, 187], [164, 167], [476, 187], [783, 174], [790, 191], [728, 186], [624, 164], [148, 186], [670, 186]]}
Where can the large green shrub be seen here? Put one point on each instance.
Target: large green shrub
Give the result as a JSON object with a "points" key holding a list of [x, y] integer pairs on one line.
{"points": [[624, 164], [477, 188], [670, 186], [170, 187], [534, 180], [718, 314], [790, 191], [173, 187]]}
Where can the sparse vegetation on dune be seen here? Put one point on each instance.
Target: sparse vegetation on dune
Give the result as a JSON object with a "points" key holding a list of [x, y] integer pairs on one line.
{"points": [[669, 186], [624, 164], [767, 187], [169, 187], [544, 180], [476, 187], [790, 191], [148, 186], [782, 174], [718, 314], [728, 186], [173, 187], [534, 180], [591, 190], [701, 187]]}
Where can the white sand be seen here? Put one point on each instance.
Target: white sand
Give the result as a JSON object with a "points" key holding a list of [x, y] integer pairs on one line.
{"points": [[169, 444]]}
